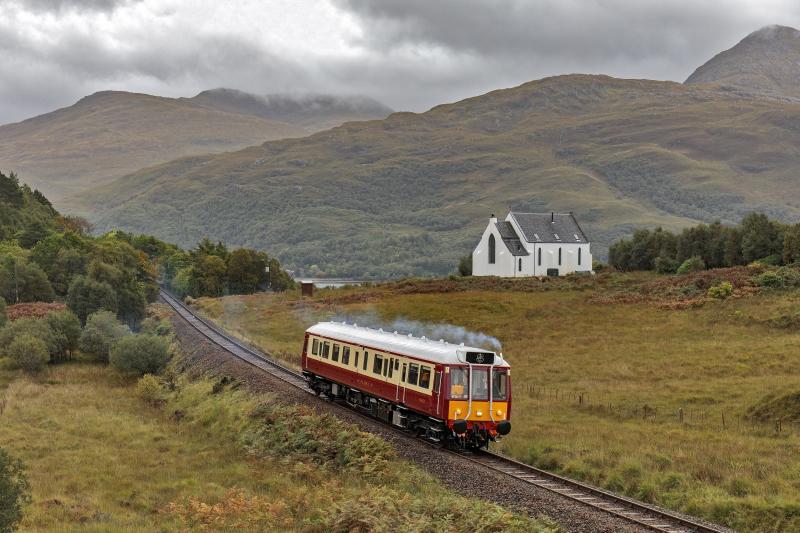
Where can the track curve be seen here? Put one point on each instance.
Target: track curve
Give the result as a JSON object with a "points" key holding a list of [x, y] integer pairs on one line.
{"points": [[649, 516]]}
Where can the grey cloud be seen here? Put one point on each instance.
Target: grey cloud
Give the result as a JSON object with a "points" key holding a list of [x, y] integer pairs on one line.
{"points": [[67, 5]]}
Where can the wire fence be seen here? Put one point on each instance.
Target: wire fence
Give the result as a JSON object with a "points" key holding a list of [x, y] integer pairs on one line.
{"points": [[690, 416]]}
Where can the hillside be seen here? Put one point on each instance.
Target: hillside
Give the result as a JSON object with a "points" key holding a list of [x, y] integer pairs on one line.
{"points": [[765, 63], [410, 194], [110, 134], [312, 113]]}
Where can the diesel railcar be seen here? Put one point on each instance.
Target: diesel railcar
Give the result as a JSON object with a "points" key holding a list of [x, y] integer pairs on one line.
{"points": [[448, 392]]}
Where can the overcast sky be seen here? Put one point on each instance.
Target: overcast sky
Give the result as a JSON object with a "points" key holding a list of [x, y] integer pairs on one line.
{"points": [[410, 54]]}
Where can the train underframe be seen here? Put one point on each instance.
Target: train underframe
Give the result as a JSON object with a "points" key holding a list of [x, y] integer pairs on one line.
{"points": [[422, 425]]}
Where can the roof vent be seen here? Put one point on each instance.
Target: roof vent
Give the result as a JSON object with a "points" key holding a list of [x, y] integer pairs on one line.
{"points": [[462, 344], [395, 332], [355, 324], [576, 237], [441, 340], [380, 329], [410, 335], [556, 236], [424, 338]]}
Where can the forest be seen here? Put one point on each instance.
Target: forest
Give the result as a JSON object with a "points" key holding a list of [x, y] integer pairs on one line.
{"points": [[755, 238]]}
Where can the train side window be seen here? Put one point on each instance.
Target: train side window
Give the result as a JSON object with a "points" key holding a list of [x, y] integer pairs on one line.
{"points": [[413, 373], [377, 364], [355, 363], [425, 377], [326, 349], [405, 367], [335, 356], [345, 355], [437, 381], [386, 364], [391, 366], [315, 347], [366, 360], [397, 364]]}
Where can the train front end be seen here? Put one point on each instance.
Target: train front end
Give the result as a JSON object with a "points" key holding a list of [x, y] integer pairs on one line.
{"points": [[478, 395]]}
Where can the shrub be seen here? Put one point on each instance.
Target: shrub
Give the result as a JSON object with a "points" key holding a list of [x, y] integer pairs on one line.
{"points": [[14, 492], [144, 354], [28, 353], [721, 290], [665, 265], [770, 278], [36, 328], [149, 389], [693, 264], [101, 332], [465, 266], [3, 313], [67, 329]]}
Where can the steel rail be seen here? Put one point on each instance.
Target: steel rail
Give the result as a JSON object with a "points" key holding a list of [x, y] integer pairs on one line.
{"points": [[629, 509]]}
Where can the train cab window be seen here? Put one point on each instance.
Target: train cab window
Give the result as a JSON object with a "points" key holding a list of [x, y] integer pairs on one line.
{"points": [[391, 367], [366, 360], [326, 349], [458, 383], [377, 364], [335, 356], [355, 363], [425, 377], [413, 373], [480, 384], [499, 385], [345, 355], [315, 347]]}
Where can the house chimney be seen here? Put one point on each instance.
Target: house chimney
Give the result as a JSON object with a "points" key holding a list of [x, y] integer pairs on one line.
{"points": [[493, 219], [552, 217]]}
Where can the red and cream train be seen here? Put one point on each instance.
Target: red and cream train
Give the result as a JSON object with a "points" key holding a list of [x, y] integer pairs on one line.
{"points": [[445, 391]]}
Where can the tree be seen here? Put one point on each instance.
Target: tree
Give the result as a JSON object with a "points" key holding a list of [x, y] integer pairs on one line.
{"points": [[15, 491], [67, 328], [21, 281], [465, 265], [143, 354], [102, 331], [791, 244], [33, 233], [3, 315], [208, 276], [10, 191], [87, 296], [28, 353], [759, 237], [245, 271], [693, 264]]}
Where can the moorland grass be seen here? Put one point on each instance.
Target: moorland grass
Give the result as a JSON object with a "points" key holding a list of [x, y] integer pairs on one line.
{"points": [[210, 458], [720, 358]]}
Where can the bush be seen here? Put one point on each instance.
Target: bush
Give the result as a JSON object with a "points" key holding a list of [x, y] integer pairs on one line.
{"points": [[28, 353], [14, 492], [144, 354], [465, 265], [36, 328], [770, 279], [721, 291], [666, 265], [101, 332], [149, 389], [693, 264], [3, 314], [67, 329]]}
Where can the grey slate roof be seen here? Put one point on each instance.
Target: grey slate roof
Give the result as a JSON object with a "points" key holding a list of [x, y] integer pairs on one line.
{"points": [[550, 227], [511, 239]]}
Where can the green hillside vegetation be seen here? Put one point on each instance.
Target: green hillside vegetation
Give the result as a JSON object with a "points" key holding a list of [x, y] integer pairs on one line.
{"points": [[410, 194], [169, 454], [675, 389]]}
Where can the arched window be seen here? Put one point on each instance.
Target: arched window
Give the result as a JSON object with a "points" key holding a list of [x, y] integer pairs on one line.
{"points": [[579, 255], [540, 257], [491, 249], [559, 257], [520, 265]]}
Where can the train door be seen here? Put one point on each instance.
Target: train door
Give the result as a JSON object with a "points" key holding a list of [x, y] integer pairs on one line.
{"points": [[401, 389], [437, 392]]}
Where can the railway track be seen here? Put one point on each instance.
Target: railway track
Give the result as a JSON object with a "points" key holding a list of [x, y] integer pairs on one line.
{"points": [[634, 511]]}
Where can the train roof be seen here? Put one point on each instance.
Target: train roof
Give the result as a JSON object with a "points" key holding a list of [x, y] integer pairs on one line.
{"points": [[436, 351]]}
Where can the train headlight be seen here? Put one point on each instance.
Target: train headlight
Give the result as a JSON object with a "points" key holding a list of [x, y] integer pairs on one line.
{"points": [[479, 413], [458, 412], [499, 412]]}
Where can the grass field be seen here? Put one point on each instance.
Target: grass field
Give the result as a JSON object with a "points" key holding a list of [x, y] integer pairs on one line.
{"points": [[635, 365], [100, 458]]}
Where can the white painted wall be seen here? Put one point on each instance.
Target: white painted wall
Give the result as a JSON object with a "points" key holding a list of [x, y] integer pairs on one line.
{"points": [[504, 261]]}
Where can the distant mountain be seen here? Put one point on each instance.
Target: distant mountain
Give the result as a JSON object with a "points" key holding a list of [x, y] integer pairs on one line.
{"points": [[110, 134], [411, 193], [765, 63], [312, 112]]}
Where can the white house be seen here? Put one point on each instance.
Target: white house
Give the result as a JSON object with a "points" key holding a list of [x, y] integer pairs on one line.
{"points": [[532, 244]]}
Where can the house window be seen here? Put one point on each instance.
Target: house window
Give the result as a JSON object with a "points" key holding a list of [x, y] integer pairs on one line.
{"points": [[491, 249], [520, 265], [559, 257], [579, 255], [540, 257]]}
